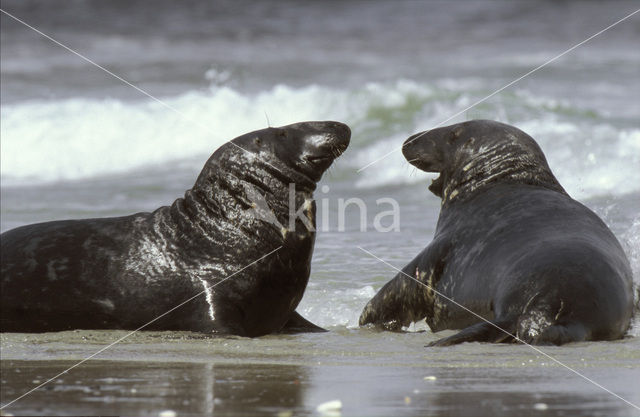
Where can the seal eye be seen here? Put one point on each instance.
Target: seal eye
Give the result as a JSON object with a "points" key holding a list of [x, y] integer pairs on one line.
{"points": [[454, 134], [257, 141], [283, 133]]}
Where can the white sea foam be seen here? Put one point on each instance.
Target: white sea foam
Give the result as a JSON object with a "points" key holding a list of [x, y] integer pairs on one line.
{"points": [[45, 141], [589, 158], [79, 138], [334, 307]]}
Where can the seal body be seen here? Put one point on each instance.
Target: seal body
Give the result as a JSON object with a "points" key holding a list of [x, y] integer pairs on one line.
{"points": [[233, 256], [513, 256]]}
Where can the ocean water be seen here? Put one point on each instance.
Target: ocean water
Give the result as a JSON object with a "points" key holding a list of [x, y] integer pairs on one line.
{"points": [[76, 142]]}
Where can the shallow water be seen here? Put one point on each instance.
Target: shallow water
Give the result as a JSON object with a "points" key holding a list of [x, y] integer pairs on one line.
{"points": [[76, 143], [373, 374]]}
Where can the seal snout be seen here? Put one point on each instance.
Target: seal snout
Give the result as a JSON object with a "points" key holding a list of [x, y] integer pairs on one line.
{"points": [[410, 149], [425, 152], [420, 151], [325, 140]]}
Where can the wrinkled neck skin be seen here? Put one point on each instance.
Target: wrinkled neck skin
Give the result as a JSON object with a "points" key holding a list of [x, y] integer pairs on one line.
{"points": [[505, 163], [217, 212]]}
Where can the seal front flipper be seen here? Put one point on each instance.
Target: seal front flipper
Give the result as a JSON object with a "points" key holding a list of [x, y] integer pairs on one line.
{"points": [[298, 324], [388, 309], [497, 331], [410, 295]]}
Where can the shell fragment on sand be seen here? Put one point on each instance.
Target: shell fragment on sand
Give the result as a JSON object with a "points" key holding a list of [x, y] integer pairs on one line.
{"points": [[330, 408]]}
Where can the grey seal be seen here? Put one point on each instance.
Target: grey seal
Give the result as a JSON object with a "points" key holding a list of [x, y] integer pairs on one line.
{"points": [[510, 245], [123, 272]]}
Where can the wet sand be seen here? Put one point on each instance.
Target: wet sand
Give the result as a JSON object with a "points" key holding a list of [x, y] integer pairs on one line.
{"points": [[371, 373]]}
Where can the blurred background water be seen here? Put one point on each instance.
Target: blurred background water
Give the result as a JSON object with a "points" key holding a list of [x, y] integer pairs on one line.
{"points": [[76, 142]]}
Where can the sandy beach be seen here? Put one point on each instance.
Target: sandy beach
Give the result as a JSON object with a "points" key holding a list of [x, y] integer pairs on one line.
{"points": [[372, 374]]}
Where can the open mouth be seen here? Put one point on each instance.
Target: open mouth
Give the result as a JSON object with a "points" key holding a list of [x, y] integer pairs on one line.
{"points": [[327, 156], [437, 185], [315, 158], [319, 159], [316, 164]]}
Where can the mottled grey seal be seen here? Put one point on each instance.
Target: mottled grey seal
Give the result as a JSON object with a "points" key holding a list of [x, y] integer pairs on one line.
{"points": [[123, 272], [510, 245]]}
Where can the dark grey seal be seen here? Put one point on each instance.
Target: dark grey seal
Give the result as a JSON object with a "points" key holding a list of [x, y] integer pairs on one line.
{"points": [[123, 272], [510, 245]]}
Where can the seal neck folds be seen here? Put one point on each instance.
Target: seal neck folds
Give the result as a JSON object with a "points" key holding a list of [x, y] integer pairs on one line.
{"points": [[267, 176], [493, 163]]}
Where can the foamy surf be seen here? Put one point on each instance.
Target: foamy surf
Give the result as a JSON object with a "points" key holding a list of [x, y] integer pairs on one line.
{"points": [[73, 139], [604, 164], [80, 138]]}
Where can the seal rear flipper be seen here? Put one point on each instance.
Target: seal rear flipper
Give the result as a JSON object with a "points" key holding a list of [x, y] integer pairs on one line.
{"points": [[497, 331], [298, 324], [558, 334], [219, 329]]}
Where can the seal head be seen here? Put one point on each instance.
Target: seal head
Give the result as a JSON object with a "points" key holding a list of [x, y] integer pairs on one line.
{"points": [[474, 154], [300, 152]]}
